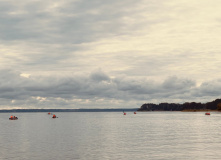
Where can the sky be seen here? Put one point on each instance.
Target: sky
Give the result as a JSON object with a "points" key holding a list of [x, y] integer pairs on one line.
{"points": [[108, 54]]}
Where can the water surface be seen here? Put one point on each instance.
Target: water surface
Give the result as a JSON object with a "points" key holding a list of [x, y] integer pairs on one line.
{"points": [[111, 135]]}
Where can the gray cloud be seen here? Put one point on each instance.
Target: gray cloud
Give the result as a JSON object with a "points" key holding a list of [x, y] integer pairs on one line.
{"points": [[72, 22], [147, 51], [97, 88]]}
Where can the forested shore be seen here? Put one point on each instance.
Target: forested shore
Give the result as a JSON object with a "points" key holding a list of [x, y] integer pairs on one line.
{"points": [[187, 106]]}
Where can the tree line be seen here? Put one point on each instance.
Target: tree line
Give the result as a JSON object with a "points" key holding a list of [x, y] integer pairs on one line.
{"points": [[192, 106]]}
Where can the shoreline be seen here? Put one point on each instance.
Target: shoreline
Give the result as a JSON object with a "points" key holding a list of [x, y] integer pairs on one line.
{"points": [[200, 110], [188, 110]]}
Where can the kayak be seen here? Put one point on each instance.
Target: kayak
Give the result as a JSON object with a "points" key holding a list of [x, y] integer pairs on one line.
{"points": [[13, 118]]}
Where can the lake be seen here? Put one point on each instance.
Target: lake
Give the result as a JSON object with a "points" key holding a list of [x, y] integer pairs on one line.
{"points": [[111, 135]]}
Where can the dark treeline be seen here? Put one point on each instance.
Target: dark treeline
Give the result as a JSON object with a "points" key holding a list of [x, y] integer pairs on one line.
{"points": [[214, 105]]}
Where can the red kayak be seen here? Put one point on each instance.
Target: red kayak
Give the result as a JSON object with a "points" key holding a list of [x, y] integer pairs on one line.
{"points": [[13, 118]]}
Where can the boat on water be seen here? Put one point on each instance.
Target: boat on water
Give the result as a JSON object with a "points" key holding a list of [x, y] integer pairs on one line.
{"points": [[13, 118], [54, 116], [207, 113]]}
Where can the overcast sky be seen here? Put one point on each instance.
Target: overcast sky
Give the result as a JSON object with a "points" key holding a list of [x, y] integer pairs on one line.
{"points": [[108, 53]]}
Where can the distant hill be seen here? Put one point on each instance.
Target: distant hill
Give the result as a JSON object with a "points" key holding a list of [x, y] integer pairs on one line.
{"points": [[187, 106], [69, 110]]}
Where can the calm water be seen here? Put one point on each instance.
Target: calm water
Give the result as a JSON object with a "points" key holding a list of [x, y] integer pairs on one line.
{"points": [[100, 136]]}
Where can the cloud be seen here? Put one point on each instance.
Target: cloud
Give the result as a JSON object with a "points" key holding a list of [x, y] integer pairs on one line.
{"points": [[147, 51], [99, 76], [96, 89], [76, 22]]}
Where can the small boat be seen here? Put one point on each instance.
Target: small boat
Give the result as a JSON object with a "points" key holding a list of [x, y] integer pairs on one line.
{"points": [[49, 113], [54, 116], [207, 113], [13, 118], [135, 112]]}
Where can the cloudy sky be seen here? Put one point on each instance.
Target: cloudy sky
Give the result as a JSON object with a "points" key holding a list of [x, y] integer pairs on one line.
{"points": [[108, 53]]}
